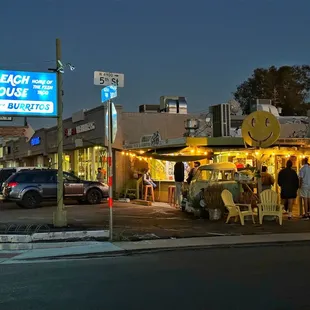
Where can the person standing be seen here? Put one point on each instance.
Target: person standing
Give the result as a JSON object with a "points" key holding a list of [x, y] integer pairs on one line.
{"points": [[267, 179], [304, 177], [289, 183], [179, 180], [100, 175], [192, 172]]}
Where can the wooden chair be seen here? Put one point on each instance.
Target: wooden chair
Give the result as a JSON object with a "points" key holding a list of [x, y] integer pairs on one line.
{"points": [[147, 193], [269, 206], [234, 209], [171, 195]]}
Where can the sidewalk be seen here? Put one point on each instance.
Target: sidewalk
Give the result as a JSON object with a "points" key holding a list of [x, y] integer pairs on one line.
{"points": [[38, 252]]}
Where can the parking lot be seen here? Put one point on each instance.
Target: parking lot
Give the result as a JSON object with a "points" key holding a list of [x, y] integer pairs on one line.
{"points": [[134, 222]]}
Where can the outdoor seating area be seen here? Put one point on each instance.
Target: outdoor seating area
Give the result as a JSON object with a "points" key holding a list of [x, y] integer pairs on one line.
{"points": [[268, 206]]}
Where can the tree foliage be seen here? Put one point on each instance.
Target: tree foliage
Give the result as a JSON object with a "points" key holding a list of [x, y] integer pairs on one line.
{"points": [[288, 87]]}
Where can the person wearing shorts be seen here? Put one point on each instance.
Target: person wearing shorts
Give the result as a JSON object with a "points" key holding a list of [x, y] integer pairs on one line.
{"points": [[289, 183], [304, 177]]}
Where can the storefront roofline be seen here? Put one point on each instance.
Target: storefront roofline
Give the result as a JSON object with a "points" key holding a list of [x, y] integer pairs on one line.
{"points": [[211, 142], [176, 158], [177, 142]]}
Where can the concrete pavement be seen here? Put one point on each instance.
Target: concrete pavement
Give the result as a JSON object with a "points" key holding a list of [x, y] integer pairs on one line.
{"points": [[269, 278], [134, 223], [25, 252]]}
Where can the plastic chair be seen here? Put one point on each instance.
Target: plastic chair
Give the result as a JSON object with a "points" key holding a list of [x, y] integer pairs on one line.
{"points": [[234, 209], [269, 206]]}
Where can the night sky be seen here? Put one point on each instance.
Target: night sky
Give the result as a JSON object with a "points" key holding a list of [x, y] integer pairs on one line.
{"points": [[200, 48]]}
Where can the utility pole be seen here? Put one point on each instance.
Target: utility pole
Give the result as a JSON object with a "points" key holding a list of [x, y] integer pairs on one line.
{"points": [[60, 216], [110, 168]]}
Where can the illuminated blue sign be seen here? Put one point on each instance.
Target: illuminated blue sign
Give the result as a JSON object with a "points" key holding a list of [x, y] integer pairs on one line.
{"points": [[108, 93], [28, 93], [35, 141]]}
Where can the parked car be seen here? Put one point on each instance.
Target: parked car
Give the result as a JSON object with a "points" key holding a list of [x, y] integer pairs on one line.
{"points": [[220, 173], [29, 188], [5, 173]]}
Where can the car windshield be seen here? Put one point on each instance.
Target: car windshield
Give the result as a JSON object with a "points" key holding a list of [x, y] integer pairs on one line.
{"points": [[203, 175]]}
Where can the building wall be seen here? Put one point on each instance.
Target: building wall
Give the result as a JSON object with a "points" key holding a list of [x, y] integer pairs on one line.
{"points": [[27, 149], [136, 125]]}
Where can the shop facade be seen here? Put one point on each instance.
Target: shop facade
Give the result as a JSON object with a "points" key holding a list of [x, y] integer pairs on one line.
{"points": [[85, 144]]}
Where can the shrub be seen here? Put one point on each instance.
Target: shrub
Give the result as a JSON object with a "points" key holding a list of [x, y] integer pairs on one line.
{"points": [[212, 197]]}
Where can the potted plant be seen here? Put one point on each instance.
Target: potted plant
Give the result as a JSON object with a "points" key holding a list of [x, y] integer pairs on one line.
{"points": [[213, 201]]}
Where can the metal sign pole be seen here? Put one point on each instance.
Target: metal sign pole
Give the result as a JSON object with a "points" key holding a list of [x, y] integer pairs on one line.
{"points": [[110, 168]]}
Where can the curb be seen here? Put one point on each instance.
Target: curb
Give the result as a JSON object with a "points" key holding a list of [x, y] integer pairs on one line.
{"points": [[169, 249], [54, 236]]}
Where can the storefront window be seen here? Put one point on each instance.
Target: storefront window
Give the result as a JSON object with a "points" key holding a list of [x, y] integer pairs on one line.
{"points": [[164, 170], [88, 160], [67, 161]]}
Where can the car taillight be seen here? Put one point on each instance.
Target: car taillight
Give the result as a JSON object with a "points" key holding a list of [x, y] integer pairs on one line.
{"points": [[12, 184]]}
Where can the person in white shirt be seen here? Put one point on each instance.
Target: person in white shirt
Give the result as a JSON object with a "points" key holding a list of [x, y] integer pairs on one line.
{"points": [[304, 176]]}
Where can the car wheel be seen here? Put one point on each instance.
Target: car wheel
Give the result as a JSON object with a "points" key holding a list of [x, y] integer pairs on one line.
{"points": [[94, 196], [31, 200]]}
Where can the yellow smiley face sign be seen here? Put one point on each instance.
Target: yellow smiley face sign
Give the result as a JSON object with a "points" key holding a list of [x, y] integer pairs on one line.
{"points": [[260, 129]]}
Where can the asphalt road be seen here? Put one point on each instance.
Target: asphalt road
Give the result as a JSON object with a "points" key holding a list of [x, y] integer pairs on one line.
{"points": [[238, 278]]}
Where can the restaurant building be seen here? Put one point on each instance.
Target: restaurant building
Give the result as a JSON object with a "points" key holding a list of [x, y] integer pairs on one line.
{"points": [[85, 142]]}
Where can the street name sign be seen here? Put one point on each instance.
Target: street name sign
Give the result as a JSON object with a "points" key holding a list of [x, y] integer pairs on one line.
{"points": [[107, 78]]}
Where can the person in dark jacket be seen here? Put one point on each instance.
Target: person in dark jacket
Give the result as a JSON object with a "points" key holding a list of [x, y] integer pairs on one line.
{"points": [[179, 180], [289, 183], [193, 172]]}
